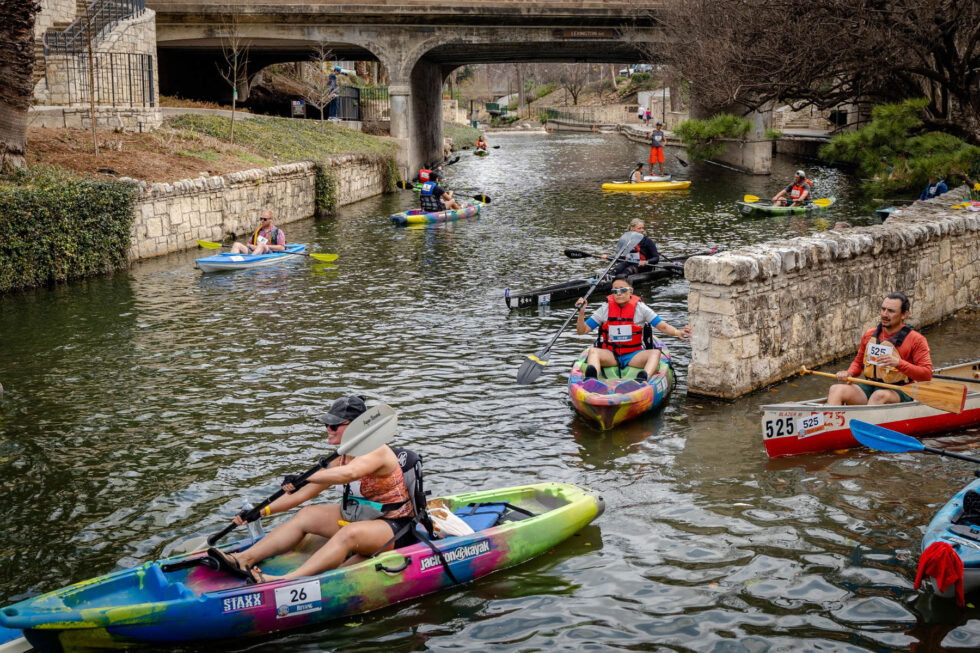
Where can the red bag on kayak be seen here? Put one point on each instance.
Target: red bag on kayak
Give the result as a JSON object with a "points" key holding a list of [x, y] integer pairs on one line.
{"points": [[940, 561]]}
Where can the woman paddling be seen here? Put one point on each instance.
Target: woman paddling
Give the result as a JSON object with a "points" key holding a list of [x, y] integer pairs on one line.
{"points": [[379, 520]]}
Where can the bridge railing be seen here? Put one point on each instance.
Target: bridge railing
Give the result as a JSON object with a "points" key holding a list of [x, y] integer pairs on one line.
{"points": [[99, 18]]}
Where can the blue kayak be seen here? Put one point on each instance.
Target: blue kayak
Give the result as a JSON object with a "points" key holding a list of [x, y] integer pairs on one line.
{"points": [[960, 528], [228, 261]]}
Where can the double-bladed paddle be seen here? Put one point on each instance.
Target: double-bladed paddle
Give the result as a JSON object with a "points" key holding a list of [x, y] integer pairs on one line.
{"points": [[948, 397], [481, 197], [882, 439], [578, 253], [533, 365], [326, 258], [823, 202]]}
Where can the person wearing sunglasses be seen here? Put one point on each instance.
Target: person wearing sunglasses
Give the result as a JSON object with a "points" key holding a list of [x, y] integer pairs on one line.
{"points": [[265, 239], [620, 321], [644, 254], [362, 525]]}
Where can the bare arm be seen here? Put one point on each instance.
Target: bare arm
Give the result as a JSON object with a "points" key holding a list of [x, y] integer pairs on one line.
{"points": [[580, 326], [666, 329]]}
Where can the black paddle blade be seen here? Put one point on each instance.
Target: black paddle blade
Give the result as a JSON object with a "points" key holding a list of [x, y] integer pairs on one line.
{"points": [[530, 370], [681, 161], [496, 147], [576, 253], [482, 198], [404, 185]]}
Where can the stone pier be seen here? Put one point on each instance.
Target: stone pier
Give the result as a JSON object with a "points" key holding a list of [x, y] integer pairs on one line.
{"points": [[758, 313]]}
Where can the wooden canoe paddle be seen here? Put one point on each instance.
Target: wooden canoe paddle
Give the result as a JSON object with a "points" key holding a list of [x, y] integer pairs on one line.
{"points": [[948, 397]]}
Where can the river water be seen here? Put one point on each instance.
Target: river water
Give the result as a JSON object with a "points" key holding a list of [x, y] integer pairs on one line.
{"points": [[140, 409]]}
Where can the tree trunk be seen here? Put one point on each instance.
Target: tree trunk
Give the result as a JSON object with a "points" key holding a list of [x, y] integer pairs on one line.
{"points": [[16, 77]]}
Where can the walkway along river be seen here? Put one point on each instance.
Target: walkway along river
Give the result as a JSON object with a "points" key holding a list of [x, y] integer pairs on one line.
{"points": [[140, 409]]}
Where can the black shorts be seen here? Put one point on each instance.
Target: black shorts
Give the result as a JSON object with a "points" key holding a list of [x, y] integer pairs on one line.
{"points": [[397, 525]]}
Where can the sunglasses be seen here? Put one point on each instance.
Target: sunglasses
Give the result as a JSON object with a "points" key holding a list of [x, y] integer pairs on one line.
{"points": [[333, 428], [266, 219], [621, 291]]}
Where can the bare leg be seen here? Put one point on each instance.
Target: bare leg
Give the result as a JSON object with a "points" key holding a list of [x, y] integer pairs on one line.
{"points": [[239, 248], [261, 248], [882, 396], [363, 538], [846, 394], [320, 520], [648, 360], [599, 358]]}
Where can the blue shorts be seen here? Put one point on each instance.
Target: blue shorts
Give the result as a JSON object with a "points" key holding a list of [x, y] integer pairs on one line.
{"points": [[625, 359]]}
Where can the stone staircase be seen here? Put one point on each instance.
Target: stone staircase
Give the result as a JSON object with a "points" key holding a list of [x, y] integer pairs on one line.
{"points": [[39, 64]]}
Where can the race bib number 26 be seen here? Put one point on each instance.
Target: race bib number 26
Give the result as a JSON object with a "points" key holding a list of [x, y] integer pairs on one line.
{"points": [[298, 599]]}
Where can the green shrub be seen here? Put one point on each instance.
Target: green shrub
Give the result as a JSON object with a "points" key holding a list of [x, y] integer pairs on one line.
{"points": [[325, 186], [461, 134], [57, 227], [700, 136], [639, 78], [773, 134]]}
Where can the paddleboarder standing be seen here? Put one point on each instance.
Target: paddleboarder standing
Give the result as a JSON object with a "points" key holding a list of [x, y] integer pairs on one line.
{"points": [[657, 142], [891, 352]]}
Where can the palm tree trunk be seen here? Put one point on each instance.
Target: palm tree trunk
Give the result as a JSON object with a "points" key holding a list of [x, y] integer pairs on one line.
{"points": [[16, 78]]}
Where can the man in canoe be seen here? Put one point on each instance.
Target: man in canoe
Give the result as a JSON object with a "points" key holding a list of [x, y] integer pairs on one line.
{"points": [[434, 198], [382, 482], [621, 320], [796, 194], [892, 352], [643, 255], [266, 239], [657, 142]]}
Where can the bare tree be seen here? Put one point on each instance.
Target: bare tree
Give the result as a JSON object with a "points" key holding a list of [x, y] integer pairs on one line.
{"points": [[234, 50], [314, 79], [16, 78], [572, 79]]}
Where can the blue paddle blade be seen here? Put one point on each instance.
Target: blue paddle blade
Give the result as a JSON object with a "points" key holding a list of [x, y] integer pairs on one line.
{"points": [[882, 439]]}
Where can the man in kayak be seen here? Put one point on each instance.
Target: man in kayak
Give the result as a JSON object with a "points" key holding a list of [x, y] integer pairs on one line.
{"points": [[637, 175], [891, 352], [266, 239], [381, 482], [657, 142], [434, 198], [621, 320], [481, 143], [643, 255], [796, 194]]}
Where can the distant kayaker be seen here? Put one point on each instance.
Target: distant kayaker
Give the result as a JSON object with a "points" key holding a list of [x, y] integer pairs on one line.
{"points": [[621, 320], [644, 254], [267, 238], [637, 175], [435, 198], [381, 482], [481, 143], [797, 193], [892, 352], [934, 189], [657, 142]]}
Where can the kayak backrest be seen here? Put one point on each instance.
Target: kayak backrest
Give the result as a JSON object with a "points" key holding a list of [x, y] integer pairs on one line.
{"points": [[411, 464]]}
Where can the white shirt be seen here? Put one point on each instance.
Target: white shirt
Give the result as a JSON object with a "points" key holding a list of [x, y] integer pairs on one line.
{"points": [[641, 316]]}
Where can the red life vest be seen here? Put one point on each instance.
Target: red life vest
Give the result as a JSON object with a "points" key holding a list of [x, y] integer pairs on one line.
{"points": [[797, 191], [424, 174], [618, 333]]}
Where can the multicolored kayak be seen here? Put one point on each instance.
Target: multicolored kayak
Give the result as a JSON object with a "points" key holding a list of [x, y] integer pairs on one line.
{"points": [[228, 261], [646, 185], [617, 397], [481, 152], [812, 426], [164, 603], [770, 209], [961, 530], [418, 216]]}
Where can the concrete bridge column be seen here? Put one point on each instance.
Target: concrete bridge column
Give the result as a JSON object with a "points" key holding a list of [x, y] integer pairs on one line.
{"points": [[416, 116], [400, 95]]}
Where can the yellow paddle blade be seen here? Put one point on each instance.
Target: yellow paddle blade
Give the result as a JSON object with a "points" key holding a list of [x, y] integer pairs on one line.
{"points": [[207, 244], [823, 201], [948, 397], [326, 258], [750, 198]]}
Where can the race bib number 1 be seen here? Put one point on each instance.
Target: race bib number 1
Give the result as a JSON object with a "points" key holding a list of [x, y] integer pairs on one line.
{"points": [[620, 332], [877, 351], [298, 599]]}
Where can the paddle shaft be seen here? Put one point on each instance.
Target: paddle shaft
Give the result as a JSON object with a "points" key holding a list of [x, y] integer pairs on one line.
{"points": [[879, 384], [951, 454], [302, 477], [962, 379], [578, 253]]}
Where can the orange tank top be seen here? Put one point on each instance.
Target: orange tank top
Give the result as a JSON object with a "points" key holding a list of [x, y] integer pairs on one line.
{"points": [[387, 489]]}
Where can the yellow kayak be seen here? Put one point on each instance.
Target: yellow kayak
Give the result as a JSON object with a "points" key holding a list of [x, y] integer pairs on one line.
{"points": [[646, 185]]}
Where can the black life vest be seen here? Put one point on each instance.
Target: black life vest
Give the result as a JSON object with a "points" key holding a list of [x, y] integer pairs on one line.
{"points": [[428, 200]]}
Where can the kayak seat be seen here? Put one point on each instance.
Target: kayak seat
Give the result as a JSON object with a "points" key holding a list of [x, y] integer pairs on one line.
{"points": [[970, 513], [480, 516]]}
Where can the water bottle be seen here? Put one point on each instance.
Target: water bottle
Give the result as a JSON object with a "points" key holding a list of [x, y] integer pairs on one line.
{"points": [[255, 530]]}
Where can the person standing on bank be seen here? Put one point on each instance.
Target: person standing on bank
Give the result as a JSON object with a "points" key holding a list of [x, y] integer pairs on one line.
{"points": [[621, 320], [657, 142], [642, 256], [266, 239], [892, 352]]}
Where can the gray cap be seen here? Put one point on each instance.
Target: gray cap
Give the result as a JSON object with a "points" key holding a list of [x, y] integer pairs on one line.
{"points": [[343, 409]]}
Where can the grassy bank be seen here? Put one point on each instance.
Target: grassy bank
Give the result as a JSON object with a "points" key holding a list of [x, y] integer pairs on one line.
{"points": [[461, 134]]}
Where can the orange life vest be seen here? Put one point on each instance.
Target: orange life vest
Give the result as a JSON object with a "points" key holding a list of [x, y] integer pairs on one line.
{"points": [[618, 333], [880, 372], [797, 191]]}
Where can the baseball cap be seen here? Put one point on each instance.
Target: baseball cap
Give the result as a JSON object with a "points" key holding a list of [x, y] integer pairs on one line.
{"points": [[659, 123], [343, 409], [800, 173]]}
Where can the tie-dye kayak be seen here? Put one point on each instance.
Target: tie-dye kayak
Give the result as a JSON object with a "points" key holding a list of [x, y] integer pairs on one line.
{"points": [[161, 602], [617, 396], [418, 216]]}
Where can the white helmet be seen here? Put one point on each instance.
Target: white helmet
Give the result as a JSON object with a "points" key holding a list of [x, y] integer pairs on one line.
{"points": [[800, 173]]}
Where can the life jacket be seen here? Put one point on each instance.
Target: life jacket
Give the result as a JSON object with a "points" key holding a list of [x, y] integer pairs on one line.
{"points": [[884, 375], [481, 144], [273, 236], [618, 333], [639, 176], [796, 192], [357, 508], [424, 174], [427, 199], [635, 256]]}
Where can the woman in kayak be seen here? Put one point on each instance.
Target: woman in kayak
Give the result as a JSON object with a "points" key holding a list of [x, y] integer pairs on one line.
{"points": [[382, 482]]}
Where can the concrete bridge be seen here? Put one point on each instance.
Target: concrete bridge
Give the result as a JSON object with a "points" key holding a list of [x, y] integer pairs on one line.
{"points": [[419, 43]]}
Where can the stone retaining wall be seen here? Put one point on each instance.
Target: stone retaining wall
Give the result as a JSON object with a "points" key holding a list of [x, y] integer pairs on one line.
{"points": [[171, 217], [758, 313]]}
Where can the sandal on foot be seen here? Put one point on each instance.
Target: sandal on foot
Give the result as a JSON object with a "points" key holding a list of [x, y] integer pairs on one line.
{"points": [[228, 563], [255, 575]]}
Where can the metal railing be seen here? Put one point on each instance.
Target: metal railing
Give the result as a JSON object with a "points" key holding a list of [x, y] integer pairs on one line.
{"points": [[374, 104], [101, 17], [120, 79]]}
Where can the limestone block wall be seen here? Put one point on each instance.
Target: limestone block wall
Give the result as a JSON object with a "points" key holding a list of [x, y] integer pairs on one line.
{"points": [[758, 313], [171, 217], [53, 11]]}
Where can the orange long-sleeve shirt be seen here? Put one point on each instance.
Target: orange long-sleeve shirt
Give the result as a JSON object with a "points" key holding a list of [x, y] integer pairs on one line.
{"points": [[916, 362]]}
